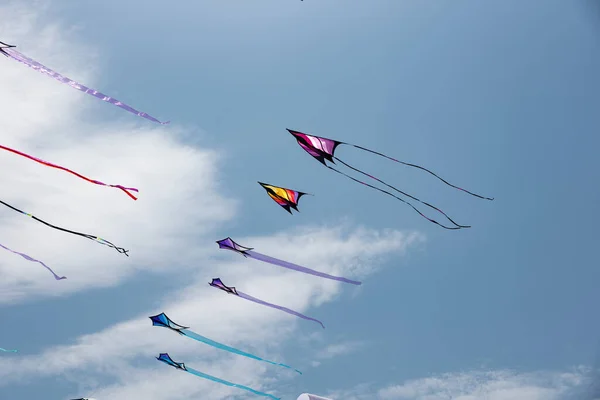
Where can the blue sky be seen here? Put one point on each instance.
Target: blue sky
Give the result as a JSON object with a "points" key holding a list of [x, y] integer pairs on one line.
{"points": [[499, 97]]}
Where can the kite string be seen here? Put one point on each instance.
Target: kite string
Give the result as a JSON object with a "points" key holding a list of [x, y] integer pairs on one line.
{"points": [[421, 168], [49, 164], [396, 197], [400, 191]]}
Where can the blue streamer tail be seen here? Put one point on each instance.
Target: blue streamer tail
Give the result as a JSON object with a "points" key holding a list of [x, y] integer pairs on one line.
{"points": [[200, 338], [8, 351], [221, 381]]}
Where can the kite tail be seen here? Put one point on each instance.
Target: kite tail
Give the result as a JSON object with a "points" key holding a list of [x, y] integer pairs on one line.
{"points": [[396, 197], [25, 256], [8, 351], [284, 309], [49, 164], [15, 55], [200, 338], [85, 235], [285, 264], [400, 191], [223, 382], [422, 168], [111, 245]]}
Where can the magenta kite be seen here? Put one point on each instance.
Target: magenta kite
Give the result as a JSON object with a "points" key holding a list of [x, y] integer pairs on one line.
{"points": [[323, 150]]}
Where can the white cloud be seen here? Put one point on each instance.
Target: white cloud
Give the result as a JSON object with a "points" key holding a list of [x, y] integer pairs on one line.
{"points": [[338, 349], [478, 385], [169, 229], [214, 314], [489, 385], [178, 196]]}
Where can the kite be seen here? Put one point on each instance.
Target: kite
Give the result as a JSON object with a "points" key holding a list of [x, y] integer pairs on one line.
{"points": [[323, 149], [286, 198], [25, 256], [163, 321], [10, 52], [49, 164], [229, 244], [217, 283], [85, 235], [7, 351], [164, 357], [307, 396]]}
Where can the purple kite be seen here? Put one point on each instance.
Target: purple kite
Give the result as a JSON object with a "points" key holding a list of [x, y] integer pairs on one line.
{"points": [[323, 150], [229, 244], [217, 283], [8, 51], [25, 256]]}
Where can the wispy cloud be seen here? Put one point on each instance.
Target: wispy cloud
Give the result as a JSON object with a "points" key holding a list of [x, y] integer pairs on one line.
{"points": [[339, 349], [477, 385], [169, 230], [174, 206], [112, 352]]}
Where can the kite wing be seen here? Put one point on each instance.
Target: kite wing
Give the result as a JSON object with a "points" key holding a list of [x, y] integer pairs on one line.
{"points": [[229, 244], [9, 51], [217, 283], [322, 149], [286, 198], [165, 322], [164, 357]]}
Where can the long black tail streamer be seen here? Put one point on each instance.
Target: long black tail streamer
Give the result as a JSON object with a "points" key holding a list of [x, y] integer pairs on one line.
{"points": [[85, 235], [400, 191], [419, 167], [396, 197]]}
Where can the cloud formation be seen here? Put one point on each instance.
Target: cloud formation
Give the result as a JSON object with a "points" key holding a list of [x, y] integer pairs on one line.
{"points": [[168, 230], [478, 385], [48, 121]]}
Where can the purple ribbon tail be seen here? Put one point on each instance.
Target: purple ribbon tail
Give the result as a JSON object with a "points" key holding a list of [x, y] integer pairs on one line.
{"points": [[25, 256], [15, 55], [284, 309], [285, 264]]}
